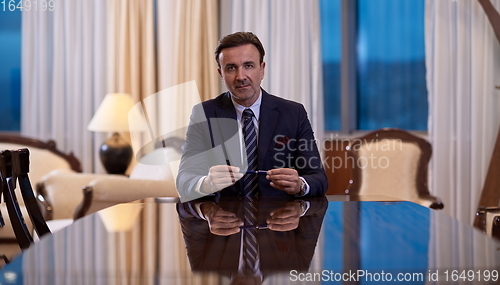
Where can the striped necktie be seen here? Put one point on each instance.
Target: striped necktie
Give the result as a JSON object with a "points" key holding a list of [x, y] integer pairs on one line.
{"points": [[250, 245], [250, 180]]}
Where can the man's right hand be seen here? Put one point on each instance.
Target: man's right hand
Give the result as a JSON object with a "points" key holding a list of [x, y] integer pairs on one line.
{"points": [[220, 222], [220, 177]]}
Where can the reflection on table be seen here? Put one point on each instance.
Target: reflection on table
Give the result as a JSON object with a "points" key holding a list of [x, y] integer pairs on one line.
{"points": [[286, 239], [144, 243]]}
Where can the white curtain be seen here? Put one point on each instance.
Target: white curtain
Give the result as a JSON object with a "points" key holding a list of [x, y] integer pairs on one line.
{"points": [[290, 33], [462, 60], [187, 71], [187, 36], [64, 76], [131, 59]]}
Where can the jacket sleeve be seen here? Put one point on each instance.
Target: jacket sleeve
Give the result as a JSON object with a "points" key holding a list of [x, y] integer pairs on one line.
{"points": [[307, 160]]}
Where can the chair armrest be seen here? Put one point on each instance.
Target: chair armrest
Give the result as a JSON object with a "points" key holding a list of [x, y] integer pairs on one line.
{"points": [[488, 220], [105, 192], [431, 202], [438, 205], [60, 193], [495, 226]]}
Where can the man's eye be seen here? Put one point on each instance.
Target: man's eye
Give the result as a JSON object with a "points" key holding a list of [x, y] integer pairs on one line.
{"points": [[249, 65], [231, 68]]}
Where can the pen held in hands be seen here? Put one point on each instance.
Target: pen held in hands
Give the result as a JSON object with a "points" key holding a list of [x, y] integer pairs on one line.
{"points": [[258, 227], [264, 172]]}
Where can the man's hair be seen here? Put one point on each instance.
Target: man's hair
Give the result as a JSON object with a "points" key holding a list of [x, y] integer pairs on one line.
{"points": [[239, 39]]}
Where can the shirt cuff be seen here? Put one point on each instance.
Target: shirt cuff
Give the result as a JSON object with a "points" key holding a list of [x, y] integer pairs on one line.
{"points": [[197, 209], [197, 187]]}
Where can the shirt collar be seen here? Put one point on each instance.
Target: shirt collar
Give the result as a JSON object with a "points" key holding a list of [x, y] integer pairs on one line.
{"points": [[255, 107]]}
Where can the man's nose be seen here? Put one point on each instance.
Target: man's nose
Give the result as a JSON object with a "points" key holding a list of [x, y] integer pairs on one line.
{"points": [[240, 74]]}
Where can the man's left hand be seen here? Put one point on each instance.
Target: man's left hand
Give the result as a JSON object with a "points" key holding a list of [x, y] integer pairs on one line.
{"points": [[285, 179]]}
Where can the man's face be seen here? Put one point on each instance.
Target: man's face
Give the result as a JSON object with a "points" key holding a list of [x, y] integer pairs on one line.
{"points": [[242, 72]]}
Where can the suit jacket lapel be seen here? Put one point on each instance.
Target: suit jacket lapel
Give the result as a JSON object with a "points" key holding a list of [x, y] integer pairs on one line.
{"points": [[226, 125], [226, 108], [268, 119]]}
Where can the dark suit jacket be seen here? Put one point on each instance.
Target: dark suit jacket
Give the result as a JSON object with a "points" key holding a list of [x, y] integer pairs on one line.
{"points": [[285, 140], [279, 251]]}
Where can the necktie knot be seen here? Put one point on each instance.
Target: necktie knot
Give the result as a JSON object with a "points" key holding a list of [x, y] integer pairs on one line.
{"points": [[247, 114]]}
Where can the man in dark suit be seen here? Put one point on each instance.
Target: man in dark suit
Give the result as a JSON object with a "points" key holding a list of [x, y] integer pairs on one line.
{"points": [[287, 162]]}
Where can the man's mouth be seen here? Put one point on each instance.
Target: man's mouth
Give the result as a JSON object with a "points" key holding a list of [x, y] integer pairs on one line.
{"points": [[242, 86]]}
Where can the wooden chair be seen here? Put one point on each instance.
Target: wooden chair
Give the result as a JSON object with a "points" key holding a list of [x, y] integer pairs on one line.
{"points": [[40, 148], [488, 220], [21, 231], [394, 163], [14, 167], [487, 217], [44, 158]]}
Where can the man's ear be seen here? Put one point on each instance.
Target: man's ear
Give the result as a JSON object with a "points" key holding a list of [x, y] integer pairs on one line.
{"points": [[220, 72], [262, 69]]}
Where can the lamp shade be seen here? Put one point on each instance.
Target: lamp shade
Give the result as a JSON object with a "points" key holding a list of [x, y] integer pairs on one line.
{"points": [[113, 113]]}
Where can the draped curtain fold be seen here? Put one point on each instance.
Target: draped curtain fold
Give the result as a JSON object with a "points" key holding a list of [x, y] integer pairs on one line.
{"points": [[63, 76], [187, 72], [462, 71], [196, 38], [290, 34], [131, 60]]}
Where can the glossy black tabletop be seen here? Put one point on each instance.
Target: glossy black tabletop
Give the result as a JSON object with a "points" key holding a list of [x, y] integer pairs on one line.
{"points": [[156, 241]]}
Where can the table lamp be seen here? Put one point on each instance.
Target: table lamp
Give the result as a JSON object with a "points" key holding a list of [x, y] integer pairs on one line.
{"points": [[112, 116]]}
